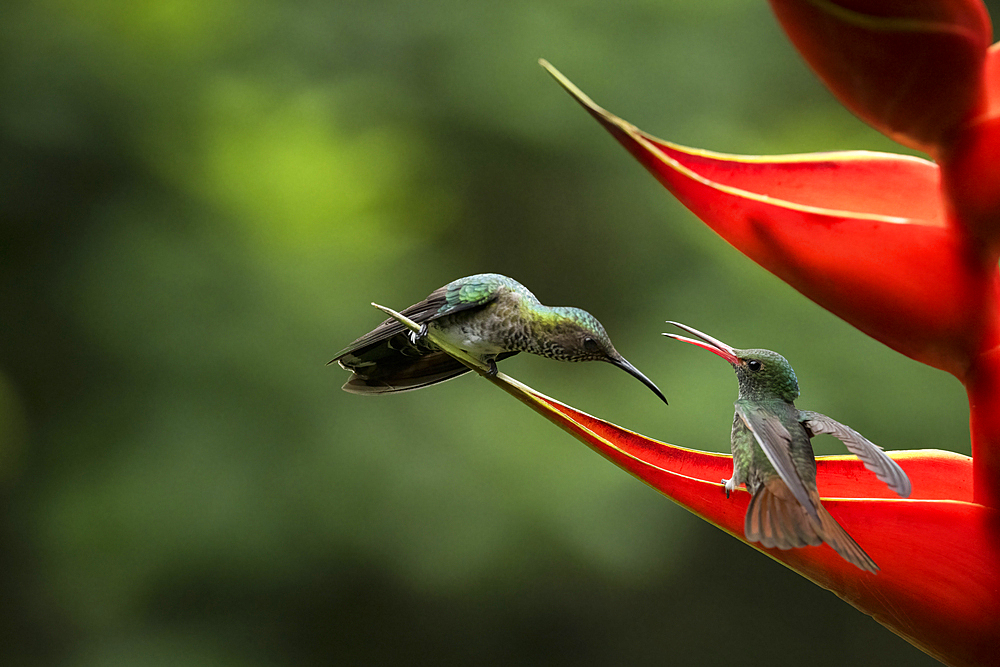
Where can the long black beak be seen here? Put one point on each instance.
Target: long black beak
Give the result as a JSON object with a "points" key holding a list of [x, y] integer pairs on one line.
{"points": [[711, 344], [621, 363]]}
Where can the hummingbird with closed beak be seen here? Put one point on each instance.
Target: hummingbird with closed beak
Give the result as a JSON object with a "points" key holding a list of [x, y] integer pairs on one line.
{"points": [[773, 456], [489, 316]]}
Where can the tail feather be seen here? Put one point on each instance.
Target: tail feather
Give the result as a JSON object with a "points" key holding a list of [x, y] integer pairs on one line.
{"points": [[776, 519], [398, 373], [389, 369], [844, 544]]}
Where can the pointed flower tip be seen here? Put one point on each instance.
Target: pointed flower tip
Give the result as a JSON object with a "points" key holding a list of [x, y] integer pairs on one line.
{"points": [[563, 81], [617, 126], [558, 76]]}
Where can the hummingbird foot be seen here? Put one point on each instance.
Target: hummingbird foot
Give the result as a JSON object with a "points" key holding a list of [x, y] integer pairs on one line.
{"points": [[417, 335], [491, 367], [730, 485]]}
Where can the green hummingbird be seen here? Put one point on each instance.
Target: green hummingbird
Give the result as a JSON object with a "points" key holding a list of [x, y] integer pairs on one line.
{"points": [[773, 455], [491, 317]]}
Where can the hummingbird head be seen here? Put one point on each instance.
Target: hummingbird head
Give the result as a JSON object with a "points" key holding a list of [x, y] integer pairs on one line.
{"points": [[762, 374], [572, 334]]}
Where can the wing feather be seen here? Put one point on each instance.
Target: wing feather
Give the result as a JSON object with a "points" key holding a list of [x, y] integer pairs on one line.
{"points": [[456, 296], [775, 440], [872, 456]]}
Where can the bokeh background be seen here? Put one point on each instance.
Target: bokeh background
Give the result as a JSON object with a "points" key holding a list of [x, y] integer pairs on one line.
{"points": [[198, 201]]}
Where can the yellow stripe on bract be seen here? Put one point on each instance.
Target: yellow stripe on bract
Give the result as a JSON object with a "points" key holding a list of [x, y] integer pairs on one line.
{"points": [[644, 140], [821, 156]]}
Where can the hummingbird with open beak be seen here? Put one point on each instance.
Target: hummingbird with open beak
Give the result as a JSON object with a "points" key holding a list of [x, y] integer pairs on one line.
{"points": [[491, 317], [773, 455]]}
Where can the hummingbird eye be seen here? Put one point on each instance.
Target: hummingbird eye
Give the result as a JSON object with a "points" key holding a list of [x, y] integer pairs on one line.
{"points": [[590, 345], [754, 365]]}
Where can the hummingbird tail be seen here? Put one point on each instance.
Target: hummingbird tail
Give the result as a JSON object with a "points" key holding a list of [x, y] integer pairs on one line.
{"points": [[396, 373], [776, 519], [835, 535]]}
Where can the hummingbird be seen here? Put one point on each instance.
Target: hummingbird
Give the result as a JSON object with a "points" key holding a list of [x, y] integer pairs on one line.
{"points": [[488, 315], [773, 455]]}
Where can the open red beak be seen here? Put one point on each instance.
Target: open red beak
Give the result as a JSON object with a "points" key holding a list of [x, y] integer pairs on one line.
{"points": [[706, 342]]}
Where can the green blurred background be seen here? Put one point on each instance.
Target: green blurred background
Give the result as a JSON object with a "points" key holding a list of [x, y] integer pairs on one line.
{"points": [[198, 201]]}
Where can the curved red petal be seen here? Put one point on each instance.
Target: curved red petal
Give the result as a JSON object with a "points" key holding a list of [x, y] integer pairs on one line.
{"points": [[939, 556], [911, 69], [911, 283], [909, 286]]}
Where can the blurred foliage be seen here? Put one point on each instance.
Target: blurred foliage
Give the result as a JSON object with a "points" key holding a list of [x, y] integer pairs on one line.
{"points": [[198, 201]]}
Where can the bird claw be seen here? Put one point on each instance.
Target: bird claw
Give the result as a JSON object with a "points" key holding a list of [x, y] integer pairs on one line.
{"points": [[728, 488], [417, 335], [491, 367]]}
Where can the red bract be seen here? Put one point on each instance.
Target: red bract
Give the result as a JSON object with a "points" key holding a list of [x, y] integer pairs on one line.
{"points": [[938, 550], [910, 68], [903, 248]]}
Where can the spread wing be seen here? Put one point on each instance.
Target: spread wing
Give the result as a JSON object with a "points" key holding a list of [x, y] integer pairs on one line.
{"points": [[775, 440], [871, 455], [464, 294]]}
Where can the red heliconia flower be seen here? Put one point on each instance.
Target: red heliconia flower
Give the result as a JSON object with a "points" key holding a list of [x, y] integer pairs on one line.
{"points": [[903, 248]]}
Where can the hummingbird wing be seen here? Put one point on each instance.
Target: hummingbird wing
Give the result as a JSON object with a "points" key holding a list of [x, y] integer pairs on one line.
{"points": [[776, 442], [464, 294], [389, 359], [436, 305], [872, 456]]}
